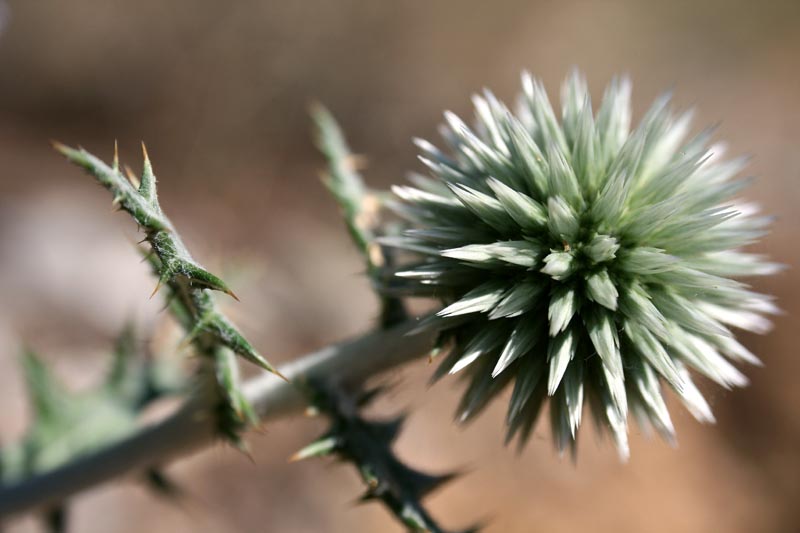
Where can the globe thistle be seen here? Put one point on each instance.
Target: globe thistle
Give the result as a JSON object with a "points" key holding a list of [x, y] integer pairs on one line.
{"points": [[582, 260]]}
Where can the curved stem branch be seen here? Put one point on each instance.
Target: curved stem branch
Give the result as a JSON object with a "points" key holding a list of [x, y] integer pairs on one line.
{"points": [[193, 426]]}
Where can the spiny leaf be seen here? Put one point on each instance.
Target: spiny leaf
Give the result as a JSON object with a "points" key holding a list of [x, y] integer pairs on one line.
{"points": [[225, 334], [67, 425], [208, 329], [46, 394], [368, 445]]}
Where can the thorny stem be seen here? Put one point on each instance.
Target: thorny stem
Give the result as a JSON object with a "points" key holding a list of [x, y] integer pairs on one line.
{"points": [[213, 335], [193, 426]]}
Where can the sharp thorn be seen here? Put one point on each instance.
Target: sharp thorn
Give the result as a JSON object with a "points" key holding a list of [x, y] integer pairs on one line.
{"points": [[278, 373], [232, 295], [115, 164], [158, 286], [131, 177]]}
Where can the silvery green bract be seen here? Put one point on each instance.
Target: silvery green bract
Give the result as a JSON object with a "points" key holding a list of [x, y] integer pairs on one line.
{"points": [[583, 261]]}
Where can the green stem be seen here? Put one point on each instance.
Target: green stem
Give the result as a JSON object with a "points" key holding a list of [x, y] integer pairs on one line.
{"points": [[193, 426]]}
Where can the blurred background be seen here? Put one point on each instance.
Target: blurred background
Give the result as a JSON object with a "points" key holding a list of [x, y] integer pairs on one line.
{"points": [[220, 92]]}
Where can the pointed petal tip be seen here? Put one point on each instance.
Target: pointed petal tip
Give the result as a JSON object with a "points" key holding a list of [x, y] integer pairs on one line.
{"points": [[624, 454], [296, 457], [421, 143], [316, 108]]}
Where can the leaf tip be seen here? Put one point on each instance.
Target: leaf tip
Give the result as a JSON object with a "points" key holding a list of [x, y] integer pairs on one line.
{"points": [[60, 147]]}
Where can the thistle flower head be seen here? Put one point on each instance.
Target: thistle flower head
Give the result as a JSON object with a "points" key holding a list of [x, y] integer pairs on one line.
{"points": [[583, 261]]}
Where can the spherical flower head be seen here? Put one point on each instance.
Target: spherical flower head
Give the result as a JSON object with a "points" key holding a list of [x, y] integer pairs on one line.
{"points": [[583, 261]]}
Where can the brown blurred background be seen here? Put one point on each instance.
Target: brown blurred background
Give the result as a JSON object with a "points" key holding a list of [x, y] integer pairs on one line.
{"points": [[220, 92]]}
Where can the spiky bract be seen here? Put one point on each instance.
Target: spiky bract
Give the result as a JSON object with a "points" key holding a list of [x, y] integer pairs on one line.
{"points": [[583, 261]]}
